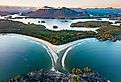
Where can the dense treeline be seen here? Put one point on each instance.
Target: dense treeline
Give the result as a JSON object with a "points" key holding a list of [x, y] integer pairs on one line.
{"points": [[39, 31], [112, 33], [91, 24], [105, 32]]}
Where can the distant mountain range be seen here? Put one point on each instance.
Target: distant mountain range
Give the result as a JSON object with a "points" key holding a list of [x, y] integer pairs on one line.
{"points": [[104, 12], [3, 13], [5, 10], [57, 13], [50, 12]]}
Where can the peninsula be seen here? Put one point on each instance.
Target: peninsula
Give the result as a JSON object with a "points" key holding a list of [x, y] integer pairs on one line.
{"points": [[57, 38], [105, 32], [60, 41]]}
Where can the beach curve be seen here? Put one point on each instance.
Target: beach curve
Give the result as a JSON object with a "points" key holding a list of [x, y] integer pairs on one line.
{"points": [[53, 50]]}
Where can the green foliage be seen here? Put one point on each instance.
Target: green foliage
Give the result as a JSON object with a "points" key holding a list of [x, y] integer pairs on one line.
{"points": [[105, 32], [39, 31], [15, 79], [91, 24], [55, 27], [76, 71], [87, 70], [109, 33]]}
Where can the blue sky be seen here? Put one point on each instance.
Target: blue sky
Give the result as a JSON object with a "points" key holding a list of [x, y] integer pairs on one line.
{"points": [[61, 3]]}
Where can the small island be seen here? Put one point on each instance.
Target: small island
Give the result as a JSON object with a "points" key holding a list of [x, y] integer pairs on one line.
{"points": [[118, 22], [42, 21], [91, 24], [106, 31], [40, 31], [55, 27], [64, 21]]}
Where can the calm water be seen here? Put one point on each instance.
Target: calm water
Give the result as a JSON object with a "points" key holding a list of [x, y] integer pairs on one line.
{"points": [[62, 25], [103, 57], [19, 56]]}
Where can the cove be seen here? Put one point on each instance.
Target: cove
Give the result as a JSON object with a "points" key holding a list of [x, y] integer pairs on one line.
{"points": [[103, 57], [20, 56]]}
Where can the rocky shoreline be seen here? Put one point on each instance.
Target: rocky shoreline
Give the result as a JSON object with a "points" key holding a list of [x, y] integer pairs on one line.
{"points": [[54, 76]]}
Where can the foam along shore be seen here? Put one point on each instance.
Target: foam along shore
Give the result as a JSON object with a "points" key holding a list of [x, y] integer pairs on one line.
{"points": [[53, 50], [45, 45], [76, 43]]}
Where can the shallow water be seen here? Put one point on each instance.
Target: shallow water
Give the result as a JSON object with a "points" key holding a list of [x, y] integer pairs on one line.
{"points": [[20, 55], [103, 57]]}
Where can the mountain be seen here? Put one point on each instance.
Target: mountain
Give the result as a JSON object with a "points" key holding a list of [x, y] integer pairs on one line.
{"points": [[57, 13], [78, 9], [6, 10], [104, 12], [4, 13]]}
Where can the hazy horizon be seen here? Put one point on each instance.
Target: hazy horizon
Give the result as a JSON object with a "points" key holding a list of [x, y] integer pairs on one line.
{"points": [[63, 3]]}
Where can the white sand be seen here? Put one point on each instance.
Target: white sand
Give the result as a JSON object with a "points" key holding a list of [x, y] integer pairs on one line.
{"points": [[52, 50]]}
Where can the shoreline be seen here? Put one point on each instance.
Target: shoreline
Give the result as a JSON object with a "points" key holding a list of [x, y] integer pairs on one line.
{"points": [[73, 44], [70, 48], [57, 48], [52, 50]]}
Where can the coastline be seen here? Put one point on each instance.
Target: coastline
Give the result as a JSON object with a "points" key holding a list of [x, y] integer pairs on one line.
{"points": [[57, 48], [37, 40], [52, 50]]}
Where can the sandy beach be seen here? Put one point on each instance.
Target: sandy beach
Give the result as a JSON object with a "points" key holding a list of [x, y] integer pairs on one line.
{"points": [[53, 50]]}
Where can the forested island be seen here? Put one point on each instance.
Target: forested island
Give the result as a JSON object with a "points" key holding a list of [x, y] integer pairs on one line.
{"points": [[105, 32], [40, 31], [108, 32], [91, 24]]}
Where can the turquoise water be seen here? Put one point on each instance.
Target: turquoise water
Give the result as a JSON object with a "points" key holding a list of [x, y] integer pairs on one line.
{"points": [[103, 57], [19, 56]]}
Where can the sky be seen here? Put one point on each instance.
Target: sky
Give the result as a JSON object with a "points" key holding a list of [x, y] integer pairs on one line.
{"points": [[64, 3]]}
